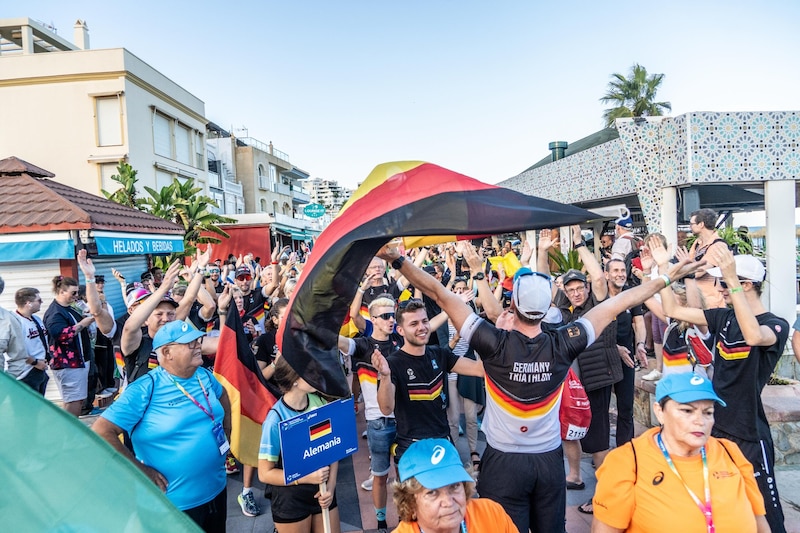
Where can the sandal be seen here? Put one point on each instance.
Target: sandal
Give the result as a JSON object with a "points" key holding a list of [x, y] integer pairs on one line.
{"points": [[476, 463], [586, 508]]}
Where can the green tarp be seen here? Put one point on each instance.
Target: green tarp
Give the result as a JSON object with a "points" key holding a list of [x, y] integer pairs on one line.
{"points": [[58, 476]]}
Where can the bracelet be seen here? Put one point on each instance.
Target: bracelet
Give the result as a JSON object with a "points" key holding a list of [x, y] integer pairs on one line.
{"points": [[397, 263], [666, 280], [88, 281], [362, 291], [296, 483], [579, 245], [642, 343], [734, 290], [274, 263]]}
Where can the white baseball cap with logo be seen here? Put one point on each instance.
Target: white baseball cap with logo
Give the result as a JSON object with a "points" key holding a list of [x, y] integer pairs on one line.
{"points": [[532, 293]]}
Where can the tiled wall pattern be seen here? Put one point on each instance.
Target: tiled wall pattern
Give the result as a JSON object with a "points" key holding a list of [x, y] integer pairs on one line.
{"points": [[653, 153]]}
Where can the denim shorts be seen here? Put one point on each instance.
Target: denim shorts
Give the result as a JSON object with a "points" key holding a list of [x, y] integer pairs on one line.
{"points": [[380, 437]]}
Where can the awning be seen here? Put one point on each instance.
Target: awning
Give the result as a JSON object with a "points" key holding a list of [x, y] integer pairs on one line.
{"points": [[36, 246], [115, 243]]}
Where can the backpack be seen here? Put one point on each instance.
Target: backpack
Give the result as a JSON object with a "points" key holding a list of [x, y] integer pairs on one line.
{"points": [[636, 245]]}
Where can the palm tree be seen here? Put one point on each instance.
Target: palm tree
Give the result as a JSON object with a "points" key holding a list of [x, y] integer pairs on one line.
{"points": [[634, 96], [126, 194]]}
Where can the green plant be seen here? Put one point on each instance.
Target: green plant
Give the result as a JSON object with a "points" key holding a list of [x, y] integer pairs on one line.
{"points": [[634, 96], [126, 194], [734, 240], [566, 262]]}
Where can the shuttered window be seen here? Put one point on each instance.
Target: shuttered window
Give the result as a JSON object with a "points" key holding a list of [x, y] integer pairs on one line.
{"points": [[162, 135], [108, 115]]}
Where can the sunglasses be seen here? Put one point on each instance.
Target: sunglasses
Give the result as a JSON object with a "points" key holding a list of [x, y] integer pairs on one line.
{"points": [[404, 303], [385, 316], [244, 277], [214, 271], [725, 285]]}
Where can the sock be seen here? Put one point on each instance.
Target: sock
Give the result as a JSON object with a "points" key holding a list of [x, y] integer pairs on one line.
{"points": [[383, 524], [380, 514], [246, 491]]}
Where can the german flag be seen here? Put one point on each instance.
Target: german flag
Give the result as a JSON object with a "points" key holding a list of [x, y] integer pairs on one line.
{"points": [[401, 199], [319, 430], [250, 394]]}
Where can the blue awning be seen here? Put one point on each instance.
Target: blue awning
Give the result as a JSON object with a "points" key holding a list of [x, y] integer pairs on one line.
{"points": [[113, 243], [16, 247]]}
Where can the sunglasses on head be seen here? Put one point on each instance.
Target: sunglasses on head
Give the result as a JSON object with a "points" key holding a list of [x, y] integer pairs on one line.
{"points": [[526, 272], [404, 303], [385, 316]]}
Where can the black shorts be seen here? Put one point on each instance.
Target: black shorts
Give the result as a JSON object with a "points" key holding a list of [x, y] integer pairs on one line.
{"points": [[295, 503], [598, 437]]}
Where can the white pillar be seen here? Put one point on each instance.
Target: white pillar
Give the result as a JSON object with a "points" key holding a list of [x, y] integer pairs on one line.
{"points": [[780, 295], [27, 40], [669, 214]]}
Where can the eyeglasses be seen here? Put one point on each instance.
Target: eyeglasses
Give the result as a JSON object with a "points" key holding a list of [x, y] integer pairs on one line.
{"points": [[385, 316], [575, 290]]}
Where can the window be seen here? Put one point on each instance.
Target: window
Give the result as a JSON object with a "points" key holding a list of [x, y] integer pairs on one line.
{"points": [[275, 208], [106, 171], [273, 174], [199, 149], [183, 144], [162, 135], [262, 178], [108, 116], [263, 205]]}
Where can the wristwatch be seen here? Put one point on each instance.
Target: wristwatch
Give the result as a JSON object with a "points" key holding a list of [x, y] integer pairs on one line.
{"points": [[397, 263], [479, 276]]}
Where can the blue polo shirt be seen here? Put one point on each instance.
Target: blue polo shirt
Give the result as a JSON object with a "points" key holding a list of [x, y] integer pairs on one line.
{"points": [[171, 434]]}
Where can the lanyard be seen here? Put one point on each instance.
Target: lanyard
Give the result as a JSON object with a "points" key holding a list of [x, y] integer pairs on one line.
{"points": [[209, 413], [463, 527], [705, 509]]}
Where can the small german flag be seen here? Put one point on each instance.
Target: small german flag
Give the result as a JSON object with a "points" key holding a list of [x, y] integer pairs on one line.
{"points": [[320, 430]]}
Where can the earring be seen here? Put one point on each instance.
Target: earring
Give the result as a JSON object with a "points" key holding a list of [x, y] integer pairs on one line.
{"points": [[295, 384]]}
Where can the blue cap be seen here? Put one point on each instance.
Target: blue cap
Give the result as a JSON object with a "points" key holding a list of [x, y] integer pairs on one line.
{"points": [[625, 222], [176, 331], [686, 387], [434, 463]]}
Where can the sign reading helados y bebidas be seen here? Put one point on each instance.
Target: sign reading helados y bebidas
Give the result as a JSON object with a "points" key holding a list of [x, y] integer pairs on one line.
{"points": [[318, 438]]}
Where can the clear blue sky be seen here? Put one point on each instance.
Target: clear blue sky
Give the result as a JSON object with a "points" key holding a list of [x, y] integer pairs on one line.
{"points": [[477, 87]]}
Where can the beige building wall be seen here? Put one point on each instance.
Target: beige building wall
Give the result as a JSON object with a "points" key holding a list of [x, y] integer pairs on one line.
{"points": [[51, 99]]}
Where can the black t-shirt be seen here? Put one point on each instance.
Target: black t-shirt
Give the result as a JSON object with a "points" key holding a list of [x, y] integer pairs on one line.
{"points": [[421, 393], [372, 293], [266, 346], [741, 371], [625, 334], [254, 302]]}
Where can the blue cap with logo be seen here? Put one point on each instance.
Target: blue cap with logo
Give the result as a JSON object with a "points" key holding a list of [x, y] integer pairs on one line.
{"points": [[433, 462], [177, 331], [686, 387]]}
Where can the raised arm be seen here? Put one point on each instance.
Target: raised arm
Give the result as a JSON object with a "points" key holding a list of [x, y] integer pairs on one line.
{"points": [[198, 266], [132, 331], [386, 388], [668, 302], [490, 305], [593, 268], [104, 320], [450, 303]]}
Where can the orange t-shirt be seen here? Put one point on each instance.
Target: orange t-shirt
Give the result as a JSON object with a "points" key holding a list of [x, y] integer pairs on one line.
{"points": [[482, 515], [655, 500]]}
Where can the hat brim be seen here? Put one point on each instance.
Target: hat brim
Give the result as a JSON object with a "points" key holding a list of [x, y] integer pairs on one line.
{"points": [[186, 338], [693, 396], [441, 477], [715, 272]]}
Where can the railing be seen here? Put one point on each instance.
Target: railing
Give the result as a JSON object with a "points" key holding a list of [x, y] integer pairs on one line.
{"points": [[214, 180], [263, 183], [235, 188], [266, 148], [299, 196], [280, 188]]}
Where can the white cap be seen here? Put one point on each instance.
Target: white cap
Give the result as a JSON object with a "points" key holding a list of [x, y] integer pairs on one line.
{"points": [[532, 293], [747, 268]]}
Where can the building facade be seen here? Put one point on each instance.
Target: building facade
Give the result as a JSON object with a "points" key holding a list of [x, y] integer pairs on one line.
{"points": [[78, 112]]}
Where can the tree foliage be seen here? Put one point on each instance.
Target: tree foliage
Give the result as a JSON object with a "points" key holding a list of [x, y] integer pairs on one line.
{"points": [[179, 202], [633, 96]]}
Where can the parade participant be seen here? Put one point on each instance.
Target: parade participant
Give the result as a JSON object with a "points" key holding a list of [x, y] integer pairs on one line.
{"points": [[749, 343], [434, 494], [67, 328], [658, 482], [381, 429], [413, 379], [16, 359], [266, 345], [178, 418], [525, 370], [703, 226], [296, 508], [37, 348]]}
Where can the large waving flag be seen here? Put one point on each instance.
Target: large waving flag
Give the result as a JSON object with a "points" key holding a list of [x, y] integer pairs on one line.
{"points": [[250, 394], [401, 199], [49, 457]]}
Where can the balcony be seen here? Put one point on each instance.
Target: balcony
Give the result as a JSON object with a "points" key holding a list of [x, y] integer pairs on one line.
{"points": [[266, 148], [280, 188], [214, 180], [231, 187], [299, 196], [263, 183]]}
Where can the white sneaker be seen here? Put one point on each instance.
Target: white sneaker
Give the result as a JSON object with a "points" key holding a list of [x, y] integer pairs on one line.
{"points": [[654, 375], [367, 484]]}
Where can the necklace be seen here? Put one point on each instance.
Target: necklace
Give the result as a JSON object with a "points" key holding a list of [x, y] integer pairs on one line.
{"points": [[290, 406], [704, 508]]}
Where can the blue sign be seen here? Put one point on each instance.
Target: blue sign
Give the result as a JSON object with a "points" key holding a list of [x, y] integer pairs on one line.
{"points": [[318, 438], [314, 210], [136, 245]]}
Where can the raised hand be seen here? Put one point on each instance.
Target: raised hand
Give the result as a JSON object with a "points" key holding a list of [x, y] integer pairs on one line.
{"points": [[657, 250], [86, 265], [380, 363]]}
